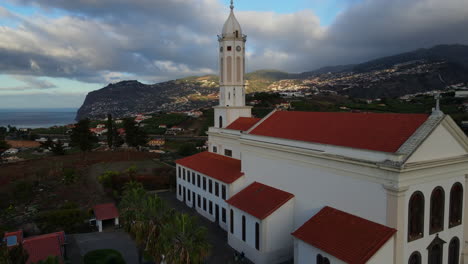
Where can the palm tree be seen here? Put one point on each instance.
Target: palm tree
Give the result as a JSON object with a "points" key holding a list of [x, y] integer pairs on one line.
{"points": [[149, 223], [184, 241]]}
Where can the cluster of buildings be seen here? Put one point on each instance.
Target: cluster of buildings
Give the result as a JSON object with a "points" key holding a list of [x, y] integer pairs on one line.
{"points": [[328, 187]]}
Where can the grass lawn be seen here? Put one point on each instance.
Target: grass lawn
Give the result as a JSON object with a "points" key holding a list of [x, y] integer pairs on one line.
{"points": [[104, 256]]}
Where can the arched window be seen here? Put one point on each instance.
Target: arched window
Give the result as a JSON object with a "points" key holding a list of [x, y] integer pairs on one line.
{"points": [[222, 70], [319, 259], [454, 251], [238, 67], [415, 258], [232, 222], [322, 260], [456, 205], [229, 69], [416, 216], [220, 121], [436, 223]]}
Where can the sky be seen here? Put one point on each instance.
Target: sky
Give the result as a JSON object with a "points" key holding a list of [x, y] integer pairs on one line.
{"points": [[53, 52]]}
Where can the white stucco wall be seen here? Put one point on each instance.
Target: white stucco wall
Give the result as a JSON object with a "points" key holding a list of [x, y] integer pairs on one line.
{"points": [[315, 186], [204, 194], [276, 243], [223, 142], [440, 144], [305, 253]]}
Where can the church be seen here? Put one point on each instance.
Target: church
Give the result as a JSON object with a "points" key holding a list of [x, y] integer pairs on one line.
{"points": [[327, 188]]}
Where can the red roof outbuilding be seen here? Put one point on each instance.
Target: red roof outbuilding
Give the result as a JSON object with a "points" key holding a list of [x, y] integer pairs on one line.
{"points": [[243, 123], [371, 131], [350, 238], [105, 211], [43, 246], [216, 166], [260, 200]]}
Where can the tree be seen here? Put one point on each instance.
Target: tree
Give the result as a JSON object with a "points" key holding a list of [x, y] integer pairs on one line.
{"points": [[50, 260], [187, 149], [57, 148], [134, 136], [110, 131], [184, 241], [48, 144], [13, 255], [82, 137]]}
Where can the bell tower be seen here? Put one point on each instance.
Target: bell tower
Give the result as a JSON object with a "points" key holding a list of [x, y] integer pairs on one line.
{"points": [[231, 78]]}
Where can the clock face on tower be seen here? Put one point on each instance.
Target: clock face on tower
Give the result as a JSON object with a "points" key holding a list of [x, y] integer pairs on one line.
{"points": [[238, 48]]}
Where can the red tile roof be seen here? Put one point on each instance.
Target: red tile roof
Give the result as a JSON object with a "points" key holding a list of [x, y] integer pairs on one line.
{"points": [[243, 123], [380, 132], [105, 211], [219, 167], [43, 246], [259, 200], [347, 237]]}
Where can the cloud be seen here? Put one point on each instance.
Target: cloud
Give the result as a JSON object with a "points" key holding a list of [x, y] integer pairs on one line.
{"points": [[30, 83], [154, 40]]}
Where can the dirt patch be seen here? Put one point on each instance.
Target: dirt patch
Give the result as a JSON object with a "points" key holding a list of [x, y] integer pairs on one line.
{"points": [[32, 187]]}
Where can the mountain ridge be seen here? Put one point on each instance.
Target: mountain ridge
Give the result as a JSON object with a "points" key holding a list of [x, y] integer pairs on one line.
{"points": [[396, 75]]}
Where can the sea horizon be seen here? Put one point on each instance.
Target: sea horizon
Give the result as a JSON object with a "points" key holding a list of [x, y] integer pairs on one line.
{"points": [[37, 117]]}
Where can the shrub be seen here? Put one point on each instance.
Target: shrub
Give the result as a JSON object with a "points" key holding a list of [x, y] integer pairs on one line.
{"points": [[69, 220], [104, 256], [23, 191], [69, 176], [107, 178]]}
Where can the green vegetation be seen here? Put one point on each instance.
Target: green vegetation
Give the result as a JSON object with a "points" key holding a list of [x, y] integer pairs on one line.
{"points": [[14, 255], [69, 218], [159, 230], [70, 176], [82, 137], [61, 130], [134, 135], [103, 256], [152, 124], [50, 260]]}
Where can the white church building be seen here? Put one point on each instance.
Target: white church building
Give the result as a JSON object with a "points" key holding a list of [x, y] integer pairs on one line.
{"points": [[328, 187]]}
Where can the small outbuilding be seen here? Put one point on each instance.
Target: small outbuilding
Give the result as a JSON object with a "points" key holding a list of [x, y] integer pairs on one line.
{"points": [[105, 214]]}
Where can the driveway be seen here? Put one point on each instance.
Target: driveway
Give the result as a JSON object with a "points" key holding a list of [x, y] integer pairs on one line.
{"points": [[117, 240]]}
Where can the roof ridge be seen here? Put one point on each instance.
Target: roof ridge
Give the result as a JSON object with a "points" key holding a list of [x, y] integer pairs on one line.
{"points": [[261, 121]]}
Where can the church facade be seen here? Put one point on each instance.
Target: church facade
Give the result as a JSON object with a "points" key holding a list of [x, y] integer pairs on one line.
{"points": [[328, 187]]}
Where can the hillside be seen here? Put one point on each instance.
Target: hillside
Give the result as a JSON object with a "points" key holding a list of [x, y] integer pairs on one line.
{"points": [[413, 72]]}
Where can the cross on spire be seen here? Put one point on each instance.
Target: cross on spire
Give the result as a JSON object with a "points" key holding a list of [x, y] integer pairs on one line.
{"points": [[436, 110], [232, 4]]}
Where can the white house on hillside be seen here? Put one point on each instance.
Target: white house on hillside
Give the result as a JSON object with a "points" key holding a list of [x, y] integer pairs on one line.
{"points": [[328, 187]]}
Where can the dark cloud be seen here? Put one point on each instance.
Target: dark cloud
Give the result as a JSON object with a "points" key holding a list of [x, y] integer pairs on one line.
{"points": [[154, 40]]}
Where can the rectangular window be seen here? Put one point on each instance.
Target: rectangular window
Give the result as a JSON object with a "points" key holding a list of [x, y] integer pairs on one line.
{"points": [[204, 204], [215, 149], [198, 180], [216, 189], [199, 201], [243, 227], [232, 221], [257, 236], [223, 215], [204, 183], [179, 174], [183, 174], [188, 195], [210, 186], [193, 178], [229, 48], [228, 152], [188, 176], [223, 192], [211, 207], [180, 189]]}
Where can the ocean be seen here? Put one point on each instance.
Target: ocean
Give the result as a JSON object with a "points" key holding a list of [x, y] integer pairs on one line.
{"points": [[37, 118]]}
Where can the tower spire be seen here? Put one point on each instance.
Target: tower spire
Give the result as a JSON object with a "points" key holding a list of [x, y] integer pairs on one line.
{"points": [[232, 4]]}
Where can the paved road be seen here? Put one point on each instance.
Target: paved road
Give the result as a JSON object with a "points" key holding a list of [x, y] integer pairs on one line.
{"points": [[117, 240], [221, 252]]}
